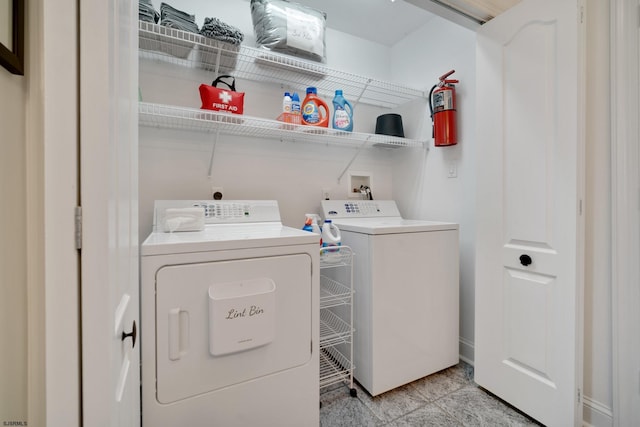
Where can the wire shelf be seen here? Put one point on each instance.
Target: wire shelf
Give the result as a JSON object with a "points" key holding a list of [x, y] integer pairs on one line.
{"points": [[333, 293], [183, 118], [336, 325], [333, 330], [334, 367], [330, 257], [192, 50]]}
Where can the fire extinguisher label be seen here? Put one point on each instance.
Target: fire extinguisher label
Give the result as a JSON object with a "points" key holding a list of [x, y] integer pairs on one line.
{"points": [[443, 100]]}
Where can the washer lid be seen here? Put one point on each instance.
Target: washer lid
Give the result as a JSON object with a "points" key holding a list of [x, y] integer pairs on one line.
{"points": [[391, 225], [226, 236]]}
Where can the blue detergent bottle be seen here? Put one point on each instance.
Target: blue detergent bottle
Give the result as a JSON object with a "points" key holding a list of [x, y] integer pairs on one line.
{"points": [[342, 113], [295, 103]]}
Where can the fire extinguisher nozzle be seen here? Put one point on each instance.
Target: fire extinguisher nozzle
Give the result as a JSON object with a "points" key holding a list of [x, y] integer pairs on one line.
{"points": [[444, 76]]}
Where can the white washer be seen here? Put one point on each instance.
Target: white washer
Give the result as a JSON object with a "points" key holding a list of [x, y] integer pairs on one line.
{"points": [[229, 319], [406, 292]]}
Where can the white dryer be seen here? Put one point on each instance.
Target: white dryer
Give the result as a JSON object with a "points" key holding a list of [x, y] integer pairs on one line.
{"points": [[406, 292], [229, 318]]}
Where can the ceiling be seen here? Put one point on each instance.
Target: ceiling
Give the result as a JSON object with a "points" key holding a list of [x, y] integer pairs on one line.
{"points": [[387, 22]]}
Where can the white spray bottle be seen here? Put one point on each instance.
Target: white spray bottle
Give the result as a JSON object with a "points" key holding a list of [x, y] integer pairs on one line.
{"points": [[311, 224]]}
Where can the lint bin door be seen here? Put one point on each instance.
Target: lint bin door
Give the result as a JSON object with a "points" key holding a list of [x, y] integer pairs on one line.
{"points": [[241, 315], [186, 364]]}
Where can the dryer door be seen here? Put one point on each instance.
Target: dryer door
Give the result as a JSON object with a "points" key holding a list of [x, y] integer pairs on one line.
{"points": [[223, 323]]}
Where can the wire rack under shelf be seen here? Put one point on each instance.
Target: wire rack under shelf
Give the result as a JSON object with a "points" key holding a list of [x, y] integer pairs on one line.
{"points": [[333, 293], [333, 330], [334, 367], [331, 257], [183, 118], [336, 316], [192, 50]]}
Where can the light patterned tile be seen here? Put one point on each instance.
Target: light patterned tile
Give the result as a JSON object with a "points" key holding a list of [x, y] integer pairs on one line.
{"points": [[394, 403], [442, 383], [339, 409], [427, 416], [474, 407]]}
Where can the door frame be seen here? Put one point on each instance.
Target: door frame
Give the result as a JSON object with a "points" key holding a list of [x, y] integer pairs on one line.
{"points": [[625, 245], [54, 381]]}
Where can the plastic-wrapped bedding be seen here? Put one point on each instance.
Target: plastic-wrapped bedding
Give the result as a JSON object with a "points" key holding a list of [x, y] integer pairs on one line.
{"points": [[287, 27]]}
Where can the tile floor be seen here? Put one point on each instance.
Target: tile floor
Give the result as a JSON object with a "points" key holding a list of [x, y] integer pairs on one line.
{"points": [[447, 398]]}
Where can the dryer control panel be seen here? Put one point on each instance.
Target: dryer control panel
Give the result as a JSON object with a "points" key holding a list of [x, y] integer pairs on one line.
{"points": [[359, 209], [219, 211]]}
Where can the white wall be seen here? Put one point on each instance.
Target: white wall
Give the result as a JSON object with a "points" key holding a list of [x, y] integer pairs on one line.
{"points": [[598, 324]]}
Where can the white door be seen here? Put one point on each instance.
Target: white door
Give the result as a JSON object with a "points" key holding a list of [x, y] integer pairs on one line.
{"points": [[109, 260], [530, 76]]}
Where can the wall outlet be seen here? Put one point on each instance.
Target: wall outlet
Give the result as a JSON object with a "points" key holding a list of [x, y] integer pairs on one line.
{"points": [[453, 170], [217, 192], [325, 193]]}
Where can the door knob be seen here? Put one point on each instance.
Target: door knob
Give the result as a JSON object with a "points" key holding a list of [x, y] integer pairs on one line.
{"points": [[524, 260], [133, 334]]}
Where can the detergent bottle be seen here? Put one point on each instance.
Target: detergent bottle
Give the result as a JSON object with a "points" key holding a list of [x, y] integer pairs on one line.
{"points": [[295, 103], [286, 103], [342, 113], [308, 220], [315, 111], [330, 235], [311, 225]]}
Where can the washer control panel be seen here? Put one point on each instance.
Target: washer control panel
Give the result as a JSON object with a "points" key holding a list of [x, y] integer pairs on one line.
{"points": [[359, 208]]}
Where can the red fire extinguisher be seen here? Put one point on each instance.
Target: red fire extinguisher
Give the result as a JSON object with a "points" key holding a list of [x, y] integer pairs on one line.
{"points": [[442, 103]]}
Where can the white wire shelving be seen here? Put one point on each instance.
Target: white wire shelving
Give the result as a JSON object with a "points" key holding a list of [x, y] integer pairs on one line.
{"points": [[192, 119], [192, 50], [336, 317]]}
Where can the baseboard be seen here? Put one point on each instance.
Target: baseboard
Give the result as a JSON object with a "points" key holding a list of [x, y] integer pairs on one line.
{"points": [[596, 414], [466, 349]]}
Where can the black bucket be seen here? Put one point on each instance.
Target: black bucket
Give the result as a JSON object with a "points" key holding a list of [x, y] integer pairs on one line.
{"points": [[390, 124]]}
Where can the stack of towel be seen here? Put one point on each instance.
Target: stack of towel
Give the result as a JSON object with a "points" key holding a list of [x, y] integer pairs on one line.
{"points": [[174, 18], [146, 12], [214, 28]]}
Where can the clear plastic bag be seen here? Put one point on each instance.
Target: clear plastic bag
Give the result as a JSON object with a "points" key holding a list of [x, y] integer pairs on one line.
{"points": [[287, 27]]}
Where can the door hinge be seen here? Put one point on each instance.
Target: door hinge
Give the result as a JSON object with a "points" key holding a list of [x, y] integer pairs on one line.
{"points": [[582, 14], [579, 396], [580, 208], [78, 222]]}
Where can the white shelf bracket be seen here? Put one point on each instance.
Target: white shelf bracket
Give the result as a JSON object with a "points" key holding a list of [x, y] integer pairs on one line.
{"points": [[213, 151], [353, 158], [364, 89]]}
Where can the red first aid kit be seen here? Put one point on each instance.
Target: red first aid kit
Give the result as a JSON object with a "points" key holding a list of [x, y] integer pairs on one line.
{"points": [[223, 100]]}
